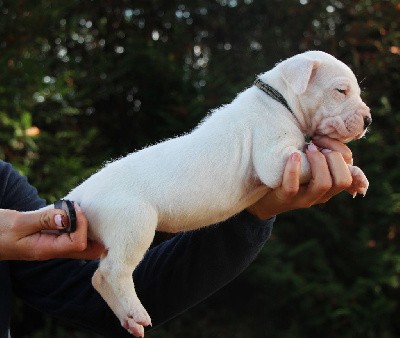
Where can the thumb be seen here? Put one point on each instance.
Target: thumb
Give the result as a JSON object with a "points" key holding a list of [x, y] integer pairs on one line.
{"points": [[45, 219]]}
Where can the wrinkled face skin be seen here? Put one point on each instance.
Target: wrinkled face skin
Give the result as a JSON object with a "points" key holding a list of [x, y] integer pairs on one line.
{"points": [[340, 112]]}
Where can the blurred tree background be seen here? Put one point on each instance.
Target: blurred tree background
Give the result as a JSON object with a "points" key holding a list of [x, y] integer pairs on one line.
{"points": [[83, 82]]}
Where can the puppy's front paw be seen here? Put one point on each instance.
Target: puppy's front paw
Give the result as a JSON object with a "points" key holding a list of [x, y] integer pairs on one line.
{"points": [[360, 182], [135, 322]]}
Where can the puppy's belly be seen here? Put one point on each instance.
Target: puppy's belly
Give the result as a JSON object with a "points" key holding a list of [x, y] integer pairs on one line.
{"points": [[114, 214], [177, 222], [115, 209], [186, 222]]}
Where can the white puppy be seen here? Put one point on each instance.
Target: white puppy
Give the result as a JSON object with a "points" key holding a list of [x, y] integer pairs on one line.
{"points": [[220, 168]]}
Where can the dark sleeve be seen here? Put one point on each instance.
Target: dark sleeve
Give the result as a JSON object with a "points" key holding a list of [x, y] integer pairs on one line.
{"points": [[172, 277], [15, 191], [191, 266]]}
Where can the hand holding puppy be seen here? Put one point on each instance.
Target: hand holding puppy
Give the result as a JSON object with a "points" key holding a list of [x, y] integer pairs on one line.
{"points": [[21, 236], [330, 176]]}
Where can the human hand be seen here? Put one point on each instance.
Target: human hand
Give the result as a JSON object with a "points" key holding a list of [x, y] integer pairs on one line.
{"points": [[22, 236], [330, 176], [358, 177]]}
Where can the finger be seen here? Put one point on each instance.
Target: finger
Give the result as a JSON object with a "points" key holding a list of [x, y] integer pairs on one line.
{"points": [[340, 173], [46, 219], [334, 145], [79, 236], [94, 250], [70, 245], [291, 177], [80, 247], [321, 181]]}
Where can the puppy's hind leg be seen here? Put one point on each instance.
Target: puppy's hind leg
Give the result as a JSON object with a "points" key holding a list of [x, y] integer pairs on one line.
{"points": [[113, 279]]}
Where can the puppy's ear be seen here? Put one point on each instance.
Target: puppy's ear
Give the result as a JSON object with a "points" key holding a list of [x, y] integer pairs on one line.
{"points": [[298, 71]]}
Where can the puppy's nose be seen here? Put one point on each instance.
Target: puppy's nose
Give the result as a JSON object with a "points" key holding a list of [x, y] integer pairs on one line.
{"points": [[367, 121]]}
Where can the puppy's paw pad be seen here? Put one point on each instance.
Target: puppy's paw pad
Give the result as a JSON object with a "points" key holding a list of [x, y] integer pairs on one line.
{"points": [[363, 191], [135, 322], [133, 328], [360, 182], [362, 185]]}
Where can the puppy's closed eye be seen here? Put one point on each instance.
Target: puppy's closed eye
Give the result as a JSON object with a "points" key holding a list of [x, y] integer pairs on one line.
{"points": [[341, 91]]}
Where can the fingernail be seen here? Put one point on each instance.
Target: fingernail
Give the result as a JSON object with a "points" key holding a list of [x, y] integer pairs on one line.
{"points": [[312, 147], [316, 137], [326, 151], [58, 219], [295, 157]]}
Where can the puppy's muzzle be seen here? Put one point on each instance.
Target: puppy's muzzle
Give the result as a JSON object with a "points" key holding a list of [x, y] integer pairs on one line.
{"points": [[367, 122]]}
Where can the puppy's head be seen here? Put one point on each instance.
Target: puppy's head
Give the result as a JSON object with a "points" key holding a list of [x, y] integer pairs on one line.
{"points": [[327, 94]]}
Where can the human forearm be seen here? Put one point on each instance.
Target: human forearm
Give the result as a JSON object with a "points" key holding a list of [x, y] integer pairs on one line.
{"points": [[190, 267], [173, 276]]}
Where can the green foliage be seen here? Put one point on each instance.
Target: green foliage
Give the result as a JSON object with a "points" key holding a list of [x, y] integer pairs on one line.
{"points": [[87, 81]]}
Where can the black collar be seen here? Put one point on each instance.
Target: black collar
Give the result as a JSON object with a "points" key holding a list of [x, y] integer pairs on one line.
{"points": [[272, 92]]}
